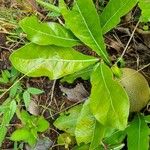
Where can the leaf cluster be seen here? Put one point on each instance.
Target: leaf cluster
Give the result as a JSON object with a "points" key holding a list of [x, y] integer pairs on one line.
{"points": [[30, 126], [51, 53]]}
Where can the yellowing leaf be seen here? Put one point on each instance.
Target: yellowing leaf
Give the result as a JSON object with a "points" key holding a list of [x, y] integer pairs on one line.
{"points": [[47, 33], [67, 120], [88, 130], [83, 21], [52, 61], [108, 101]]}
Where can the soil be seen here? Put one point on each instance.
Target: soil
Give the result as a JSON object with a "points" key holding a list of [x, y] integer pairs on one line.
{"points": [[137, 57]]}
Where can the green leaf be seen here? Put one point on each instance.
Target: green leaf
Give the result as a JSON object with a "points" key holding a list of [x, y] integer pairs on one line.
{"points": [[42, 124], [84, 23], [52, 61], [67, 120], [112, 13], [86, 147], [32, 138], [65, 139], [108, 100], [147, 118], [14, 89], [145, 7], [24, 134], [115, 138], [5, 77], [84, 74], [34, 91], [87, 128], [47, 33], [26, 99], [7, 116], [49, 6], [98, 134], [83, 147], [20, 134], [138, 134], [3, 131], [24, 117]]}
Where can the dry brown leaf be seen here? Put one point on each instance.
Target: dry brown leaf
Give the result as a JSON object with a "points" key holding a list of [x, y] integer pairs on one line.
{"points": [[33, 108], [76, 94]]}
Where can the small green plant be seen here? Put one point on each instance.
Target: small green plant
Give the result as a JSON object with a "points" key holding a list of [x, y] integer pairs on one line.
{"points": [[30, 126], [50, 53], [27, 95], [16, 96]]}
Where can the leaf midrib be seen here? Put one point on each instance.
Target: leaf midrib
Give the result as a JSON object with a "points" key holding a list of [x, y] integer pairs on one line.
{"points": [[103, 78], [69, 39], [60, 60]]}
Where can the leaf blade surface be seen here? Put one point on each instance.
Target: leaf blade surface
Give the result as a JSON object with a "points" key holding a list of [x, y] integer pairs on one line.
{"points": [[108, 101], [85, 24], [138, 134], [145, 7], [88, 130], [52, 61], [112, 13], [47, 33]]}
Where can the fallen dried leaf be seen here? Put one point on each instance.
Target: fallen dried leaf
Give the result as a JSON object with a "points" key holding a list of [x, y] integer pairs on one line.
{"points": [[76, 94]]}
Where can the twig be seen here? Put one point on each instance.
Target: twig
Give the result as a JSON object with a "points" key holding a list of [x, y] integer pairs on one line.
{"points": [[125, 49], [52, 95]]}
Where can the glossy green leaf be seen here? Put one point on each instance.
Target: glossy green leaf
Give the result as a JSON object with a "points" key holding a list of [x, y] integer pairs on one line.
{"points": [[84, 23], [145, 8], [88, 130], [112, 13], [138, 134], [84, 74], [67, 120], [47, 33], [42, 124], [108, 100], [52, 61]]}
